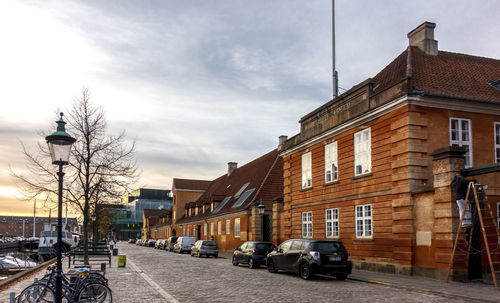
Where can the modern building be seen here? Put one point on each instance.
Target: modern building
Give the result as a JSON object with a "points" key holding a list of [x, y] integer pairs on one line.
{"points": [[128, 221], [373, 166]]}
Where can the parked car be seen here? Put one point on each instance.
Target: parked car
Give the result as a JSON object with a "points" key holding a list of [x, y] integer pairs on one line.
{"points": [[308, 257], [159, 243], [184, 244], [170, 243], [252, 253], [138, 242], [151, 243], [131, 241], [205, 247]]}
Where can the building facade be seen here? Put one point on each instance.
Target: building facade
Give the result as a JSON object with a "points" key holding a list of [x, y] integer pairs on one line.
{"points": [[17, 226], [373, 167]]}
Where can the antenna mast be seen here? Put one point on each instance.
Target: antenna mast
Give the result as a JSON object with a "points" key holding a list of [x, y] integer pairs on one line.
{"points": [[335, 74]]}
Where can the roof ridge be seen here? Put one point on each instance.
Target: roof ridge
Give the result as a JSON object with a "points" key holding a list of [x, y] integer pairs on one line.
{"points": [[467, 55], [409, 69], [264, 180]]}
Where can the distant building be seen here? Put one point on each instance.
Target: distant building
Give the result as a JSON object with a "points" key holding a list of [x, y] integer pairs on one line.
{"points": [[12, 226], [128, 221]]}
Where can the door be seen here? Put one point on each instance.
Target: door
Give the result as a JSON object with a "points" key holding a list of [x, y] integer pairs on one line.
{"points": [[198, 232], [280, 256], [240, 253], [267, 228], [293, 255], [475, 256]]}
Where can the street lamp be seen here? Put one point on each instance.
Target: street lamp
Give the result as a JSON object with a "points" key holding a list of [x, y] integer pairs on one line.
{"points": [[59, 143], [261, 207]]}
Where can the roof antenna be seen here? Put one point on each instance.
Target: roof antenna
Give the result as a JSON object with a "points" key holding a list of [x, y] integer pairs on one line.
{"points": [[335, 74]]}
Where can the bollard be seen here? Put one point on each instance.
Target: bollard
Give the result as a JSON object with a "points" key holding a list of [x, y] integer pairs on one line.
{"points": [[122, 260], [12, 297], [115, 251], [103, 267], [111, 246], [35, 280]]}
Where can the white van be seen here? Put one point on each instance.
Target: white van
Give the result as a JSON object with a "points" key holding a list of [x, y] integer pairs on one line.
{"points": [[184, 244]]}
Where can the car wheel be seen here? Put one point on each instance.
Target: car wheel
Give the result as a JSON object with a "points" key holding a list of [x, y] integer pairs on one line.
{"points": [[216, 256], [251, 263], [305, 271], [199, 255], [235, 263], [270, 266], [341, 276]]}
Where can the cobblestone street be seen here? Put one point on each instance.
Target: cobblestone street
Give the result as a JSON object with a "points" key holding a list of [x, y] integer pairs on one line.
{"points": [[190, 279], [156, 276]]}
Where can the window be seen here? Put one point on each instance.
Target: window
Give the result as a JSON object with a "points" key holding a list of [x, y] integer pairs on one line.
{"points": [[211, 228], [331, 165], [364, 221], [237, 227], [205, 229], [219, 227], [286, 245], [297, 245], [243, 198], [497, 142], [362, 152], [460, 136], [306, 170], [194, 231], [222, 204], [307, 224], [240, 191], [228, 227], [332, 223]]}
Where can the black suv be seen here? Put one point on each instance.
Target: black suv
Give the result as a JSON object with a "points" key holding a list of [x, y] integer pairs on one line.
{"points": [[308, 257]]}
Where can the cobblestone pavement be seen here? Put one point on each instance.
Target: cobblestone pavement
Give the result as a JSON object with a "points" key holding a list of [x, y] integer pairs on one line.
{"points": [[158, 276], [190, 279]]}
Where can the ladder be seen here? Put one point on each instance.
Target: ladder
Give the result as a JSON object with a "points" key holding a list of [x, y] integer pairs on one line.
{"points": [[473, 188]]}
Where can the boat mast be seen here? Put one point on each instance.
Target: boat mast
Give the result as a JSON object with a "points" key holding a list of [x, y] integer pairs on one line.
{"points": [[34, 219]]}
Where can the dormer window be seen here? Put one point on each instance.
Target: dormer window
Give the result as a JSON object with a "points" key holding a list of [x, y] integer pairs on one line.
{"points": [[495, 84]]}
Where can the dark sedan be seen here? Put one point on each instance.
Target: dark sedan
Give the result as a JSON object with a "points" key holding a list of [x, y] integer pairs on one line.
{"points": [[308, 257], [252, 253]]}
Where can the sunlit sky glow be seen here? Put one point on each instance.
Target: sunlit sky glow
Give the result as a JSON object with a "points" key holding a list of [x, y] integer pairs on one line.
{"points": [[201, 83]]}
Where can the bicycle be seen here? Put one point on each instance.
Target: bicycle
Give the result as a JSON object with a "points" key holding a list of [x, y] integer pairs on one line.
{"points": [[75, 289]]}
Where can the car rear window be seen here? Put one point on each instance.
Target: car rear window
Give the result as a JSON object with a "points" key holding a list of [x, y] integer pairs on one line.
{"points": [[209, 243], [327, 247], [265, 246]]}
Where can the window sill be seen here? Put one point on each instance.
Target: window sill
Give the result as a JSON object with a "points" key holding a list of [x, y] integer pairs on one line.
{"points": [[306, 189], [363, 239], [331, 183], [365, 175]]}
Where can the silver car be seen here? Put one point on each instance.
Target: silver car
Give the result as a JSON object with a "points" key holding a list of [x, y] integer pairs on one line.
{"points": [[205, 247]]}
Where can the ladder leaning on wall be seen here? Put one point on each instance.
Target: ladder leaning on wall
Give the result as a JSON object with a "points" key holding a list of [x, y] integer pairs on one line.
{"points": [[473, 189]]}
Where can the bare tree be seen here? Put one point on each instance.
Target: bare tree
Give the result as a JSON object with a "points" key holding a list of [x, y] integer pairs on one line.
{"points": [[101, 166]]}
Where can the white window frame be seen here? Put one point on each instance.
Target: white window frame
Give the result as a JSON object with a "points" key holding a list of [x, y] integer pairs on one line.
{"points": [[205, 229], [228, 227], [307, 227], [211, 228], [219, 227], [332, 223], [363, 152], [364, 221], [497, 142], [194, 231], [237, 226], [460, 141], [331, 162], [306, 170]]}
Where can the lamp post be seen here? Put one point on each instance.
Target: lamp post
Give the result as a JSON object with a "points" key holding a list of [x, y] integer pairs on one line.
{"points": [[59, 143], [261, 207]]}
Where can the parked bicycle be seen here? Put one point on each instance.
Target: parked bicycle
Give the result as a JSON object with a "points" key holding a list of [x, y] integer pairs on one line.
{"points": [[80, 287]]}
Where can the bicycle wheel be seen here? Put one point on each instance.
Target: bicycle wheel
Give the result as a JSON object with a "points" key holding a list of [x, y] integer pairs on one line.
{"points": [[36, 293], [95, 293]]}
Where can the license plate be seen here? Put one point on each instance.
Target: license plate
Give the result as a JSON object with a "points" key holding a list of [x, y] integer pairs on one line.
{"points": [[334, 258]]}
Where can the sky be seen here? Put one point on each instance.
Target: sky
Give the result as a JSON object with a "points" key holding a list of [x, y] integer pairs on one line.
{"points": [[201, 83]]}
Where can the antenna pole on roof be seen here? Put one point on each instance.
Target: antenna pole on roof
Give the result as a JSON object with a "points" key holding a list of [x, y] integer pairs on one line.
{"points": [[335, 74]]}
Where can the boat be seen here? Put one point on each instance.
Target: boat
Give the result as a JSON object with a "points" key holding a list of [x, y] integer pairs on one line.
{"points": [[48, 241], [10, 265]]}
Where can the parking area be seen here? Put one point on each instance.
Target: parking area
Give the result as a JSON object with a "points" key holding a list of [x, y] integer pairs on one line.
{"points": [[189, 279]]}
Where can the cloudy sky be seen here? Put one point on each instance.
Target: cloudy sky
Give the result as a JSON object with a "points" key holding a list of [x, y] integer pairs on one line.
{"points": [[203, 82]]}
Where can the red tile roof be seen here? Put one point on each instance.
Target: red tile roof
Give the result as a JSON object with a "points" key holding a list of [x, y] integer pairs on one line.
{"points": [[447, 74], [190, 184], [264, 174]]}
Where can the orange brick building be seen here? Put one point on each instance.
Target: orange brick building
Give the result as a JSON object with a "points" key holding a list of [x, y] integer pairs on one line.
{"points": [[373, 166]]}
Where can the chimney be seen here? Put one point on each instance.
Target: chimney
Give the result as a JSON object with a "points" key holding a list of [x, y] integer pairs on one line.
{"points": [[282, 139], [423, 38], [231, 166]]}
